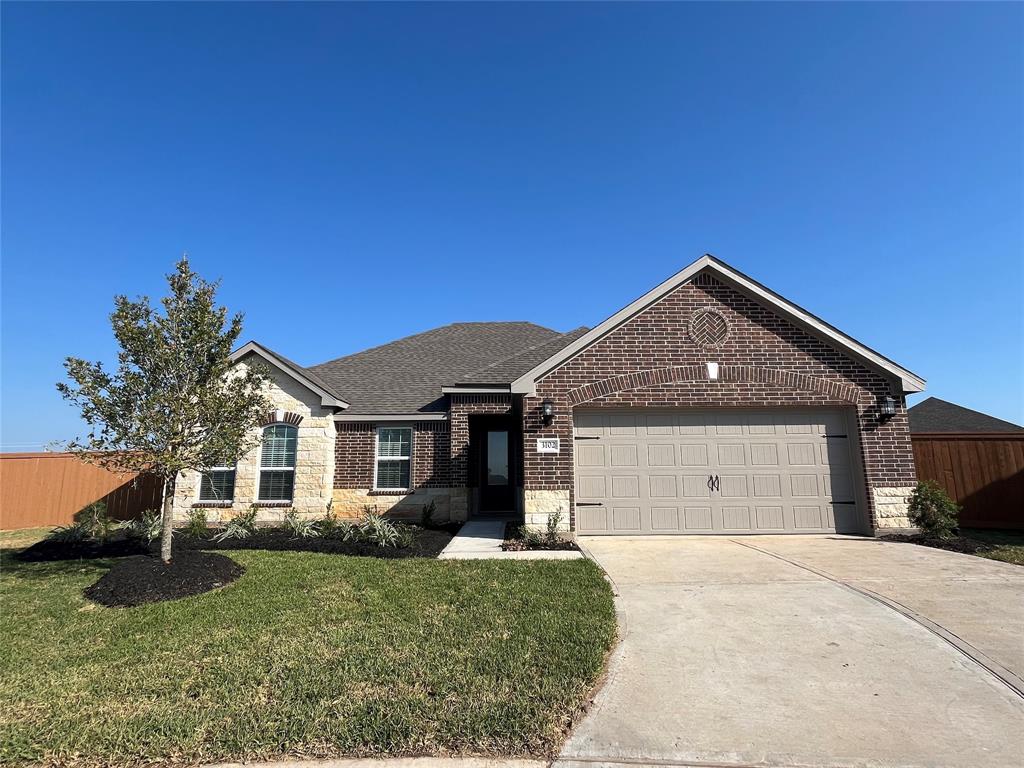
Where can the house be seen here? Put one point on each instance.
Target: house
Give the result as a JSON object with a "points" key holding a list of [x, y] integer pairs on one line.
{"points": [[934, 415], [710, 404], [976, 458]]}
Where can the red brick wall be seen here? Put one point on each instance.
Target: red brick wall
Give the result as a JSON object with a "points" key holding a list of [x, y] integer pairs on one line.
{"points": [[650, 361], [460, 409], [354, 454]]}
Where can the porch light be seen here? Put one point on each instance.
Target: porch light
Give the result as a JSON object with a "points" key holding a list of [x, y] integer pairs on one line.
{"points": [[887, 407], [547, 410]]}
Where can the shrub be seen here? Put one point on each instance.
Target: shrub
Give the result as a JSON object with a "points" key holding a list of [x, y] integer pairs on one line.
{"points": [[932, 511], [427, 515], [298, 527], [551, 533], [379, 531], [241, 526], [94, 520], [197, 524], [328, 524], [147, 527]]}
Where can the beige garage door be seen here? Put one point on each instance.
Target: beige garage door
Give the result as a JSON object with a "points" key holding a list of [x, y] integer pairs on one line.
{"points": [[722, 471]]}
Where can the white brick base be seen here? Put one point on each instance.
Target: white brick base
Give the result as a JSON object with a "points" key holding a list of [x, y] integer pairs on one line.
{"points": [[538, 506], [891, 506]]}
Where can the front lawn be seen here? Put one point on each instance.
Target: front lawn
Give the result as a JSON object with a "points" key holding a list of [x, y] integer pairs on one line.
{"points": [[306, 654]]}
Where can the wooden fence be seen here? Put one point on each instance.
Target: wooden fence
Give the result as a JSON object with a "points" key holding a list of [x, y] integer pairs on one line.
{"points": [[981, 471], [43, 489]]}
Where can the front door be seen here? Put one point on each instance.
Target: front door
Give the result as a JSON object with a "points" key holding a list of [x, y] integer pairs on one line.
{"points": [[496, 481]]}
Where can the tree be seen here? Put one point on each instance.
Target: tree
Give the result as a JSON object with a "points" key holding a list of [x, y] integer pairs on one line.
{"points": [[176, 402]]}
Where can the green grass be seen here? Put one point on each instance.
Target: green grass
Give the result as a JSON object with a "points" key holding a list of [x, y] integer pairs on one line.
{"points": [[23, 537], [1007, 546], [307, 654]]}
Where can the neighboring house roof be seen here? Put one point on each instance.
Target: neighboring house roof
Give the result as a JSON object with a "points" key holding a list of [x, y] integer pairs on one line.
{"points": [[935, 415], [910, 382], [329, 396], [406, 376]]}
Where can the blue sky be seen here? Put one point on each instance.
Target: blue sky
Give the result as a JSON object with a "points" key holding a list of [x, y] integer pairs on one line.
{"points": [[356, 173]]}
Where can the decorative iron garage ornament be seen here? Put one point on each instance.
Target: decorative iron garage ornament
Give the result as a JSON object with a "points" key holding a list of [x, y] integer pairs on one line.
{"points": [[708, 328]]}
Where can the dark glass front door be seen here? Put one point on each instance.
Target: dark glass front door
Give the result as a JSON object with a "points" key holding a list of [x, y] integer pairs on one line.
{"points": [[496, 481]]}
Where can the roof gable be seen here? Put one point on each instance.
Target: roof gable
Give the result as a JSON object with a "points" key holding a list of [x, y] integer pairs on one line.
{"points": [[329, 398], [798, 316]]}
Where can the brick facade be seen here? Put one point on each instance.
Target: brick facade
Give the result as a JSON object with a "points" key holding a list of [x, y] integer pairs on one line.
{"points": [[651, 361], [355, 452]]}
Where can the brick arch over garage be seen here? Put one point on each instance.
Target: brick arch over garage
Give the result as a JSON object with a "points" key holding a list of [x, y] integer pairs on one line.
{"points": [[828, 389]]}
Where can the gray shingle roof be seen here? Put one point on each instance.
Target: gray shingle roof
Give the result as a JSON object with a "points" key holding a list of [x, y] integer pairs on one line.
{"points": [[508, 370], [935, 415], [406, 375]]}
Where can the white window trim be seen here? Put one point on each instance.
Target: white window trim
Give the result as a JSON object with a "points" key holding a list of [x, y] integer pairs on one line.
{"points": [[377, 457], [199, 486], [262, 469]]}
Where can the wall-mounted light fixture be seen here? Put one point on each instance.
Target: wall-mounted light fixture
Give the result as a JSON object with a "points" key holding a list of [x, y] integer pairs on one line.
{"points": [[887, 407], [547, 410]]}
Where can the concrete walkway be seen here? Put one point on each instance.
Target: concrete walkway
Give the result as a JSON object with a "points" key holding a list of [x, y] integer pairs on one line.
{"points": [[482, 540], [807, 651]]}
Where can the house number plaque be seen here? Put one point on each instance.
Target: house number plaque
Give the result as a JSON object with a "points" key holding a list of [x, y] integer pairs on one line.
{"points": [[547, 445]]}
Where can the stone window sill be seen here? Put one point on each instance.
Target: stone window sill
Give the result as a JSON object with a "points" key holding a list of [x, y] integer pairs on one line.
{"points": [[272, 504]]}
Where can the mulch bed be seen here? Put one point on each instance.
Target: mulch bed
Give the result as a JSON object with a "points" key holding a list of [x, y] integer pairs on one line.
{"points": [[146, 579], [427, 542], [960, 544], [48, 550], [514, 541]]}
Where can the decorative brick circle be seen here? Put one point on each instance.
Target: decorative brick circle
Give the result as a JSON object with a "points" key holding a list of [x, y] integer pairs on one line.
{"points": [[708, 328]]}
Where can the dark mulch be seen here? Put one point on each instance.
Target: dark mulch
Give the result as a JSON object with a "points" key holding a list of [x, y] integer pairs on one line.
{"points": [[514, 541], [426, 542], [961, 544], [146, 579], [48, 550]]}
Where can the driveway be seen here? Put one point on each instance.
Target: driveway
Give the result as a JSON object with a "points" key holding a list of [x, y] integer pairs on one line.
{"points": [[807, 651]]}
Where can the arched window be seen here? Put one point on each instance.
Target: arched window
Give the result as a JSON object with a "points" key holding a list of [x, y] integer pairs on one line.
{"points": [[277, 462]]}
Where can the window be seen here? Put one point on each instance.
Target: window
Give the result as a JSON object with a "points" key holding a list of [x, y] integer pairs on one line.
{"points": [[277, 462], [394, 458], [217, 484]]}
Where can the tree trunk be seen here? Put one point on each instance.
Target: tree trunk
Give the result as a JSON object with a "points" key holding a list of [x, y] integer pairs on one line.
{"points": [[167, 530]]}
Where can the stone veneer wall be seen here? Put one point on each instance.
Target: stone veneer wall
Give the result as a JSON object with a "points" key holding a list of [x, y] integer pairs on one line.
{"points": [[314, 470], [651, 361]]}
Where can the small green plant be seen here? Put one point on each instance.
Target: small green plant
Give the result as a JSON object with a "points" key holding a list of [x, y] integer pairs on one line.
{"points": [[299, 527], [68, 534], [95, 521], [932, 510], [380, 531], [198, 524], [241, 526], [329, 523], [146, 527], [551, 536], [427, 515]]}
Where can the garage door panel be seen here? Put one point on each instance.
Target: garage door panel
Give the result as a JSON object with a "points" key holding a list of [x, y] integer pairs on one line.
{"points": [[696, 487], [664, 519], [626, 519], [691, 471], [732, 455], [693, 455], [697, 518], [736, 518]]}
